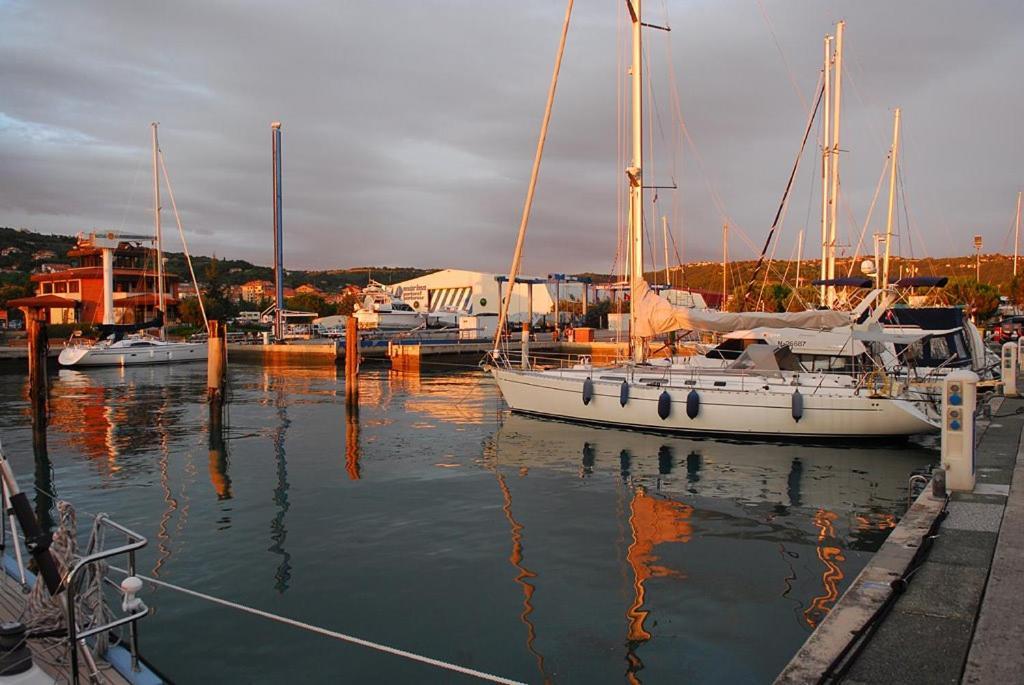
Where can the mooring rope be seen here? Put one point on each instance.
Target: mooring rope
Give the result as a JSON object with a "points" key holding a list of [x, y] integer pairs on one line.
{"points": [[325, 631]]}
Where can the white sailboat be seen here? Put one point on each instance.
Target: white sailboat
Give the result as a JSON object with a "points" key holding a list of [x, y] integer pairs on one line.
{"points": [[129, 345], [765, 392]]}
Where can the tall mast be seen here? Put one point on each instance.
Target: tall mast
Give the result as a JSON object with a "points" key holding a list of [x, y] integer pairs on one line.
{"points": [[799, 257], [636, 186], [159, 238], [725, 264], [825, 154], [275, 153], [664, 242], [1016, 237], [834, 165], [892, 195]]}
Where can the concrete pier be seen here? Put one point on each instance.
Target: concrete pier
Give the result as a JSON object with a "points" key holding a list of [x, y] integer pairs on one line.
{"points": [[943, 599]]}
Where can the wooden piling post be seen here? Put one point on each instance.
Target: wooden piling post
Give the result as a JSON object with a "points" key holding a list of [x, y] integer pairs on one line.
{"points": [[352, 361], [216, 370], [38, 345]]}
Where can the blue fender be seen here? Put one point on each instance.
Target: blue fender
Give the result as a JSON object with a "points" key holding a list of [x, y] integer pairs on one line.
{"points": [[693, 403], [664, 405], [798, 405], [588, 391], [624, 393]]}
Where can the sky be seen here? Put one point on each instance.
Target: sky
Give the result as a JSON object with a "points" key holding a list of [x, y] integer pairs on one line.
{"points": [[409, 127]]}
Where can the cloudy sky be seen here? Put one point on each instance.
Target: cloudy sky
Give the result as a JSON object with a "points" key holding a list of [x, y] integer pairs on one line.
{"points": [[409, 127]]}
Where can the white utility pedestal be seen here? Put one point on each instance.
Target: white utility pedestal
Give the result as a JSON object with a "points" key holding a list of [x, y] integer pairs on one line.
{"points": [[1020, 353], [1009, 369], [959, 397], [525, 344]]}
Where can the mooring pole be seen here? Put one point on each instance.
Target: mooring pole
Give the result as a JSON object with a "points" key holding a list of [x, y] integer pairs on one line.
{"points": [[216, 372], [352, 361], [37, 379]]}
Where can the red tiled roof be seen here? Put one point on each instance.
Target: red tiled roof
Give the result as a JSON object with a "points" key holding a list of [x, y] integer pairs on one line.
{"points": [[95, 272], [141, 300], [42, 302]]}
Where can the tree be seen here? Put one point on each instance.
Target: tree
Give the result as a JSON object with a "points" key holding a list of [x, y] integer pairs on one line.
{"points": [[777, 297], [308, 302], [216, 287], [980, 299], [13, 291], [347, 305], [189, 311], [1016, 291]]}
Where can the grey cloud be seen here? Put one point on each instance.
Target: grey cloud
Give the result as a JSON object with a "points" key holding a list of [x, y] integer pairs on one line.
{"points": [[410, 127]]}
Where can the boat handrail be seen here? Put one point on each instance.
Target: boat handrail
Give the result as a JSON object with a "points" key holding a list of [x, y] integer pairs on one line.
{"points": [[139, 610]]}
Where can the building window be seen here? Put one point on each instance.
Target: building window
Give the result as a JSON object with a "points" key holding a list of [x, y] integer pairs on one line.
{"points": [[73, 286], [60, 286], [47, 288]]}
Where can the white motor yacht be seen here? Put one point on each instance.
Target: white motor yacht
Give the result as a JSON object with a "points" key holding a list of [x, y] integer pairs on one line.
{"points": [[382, 310]]}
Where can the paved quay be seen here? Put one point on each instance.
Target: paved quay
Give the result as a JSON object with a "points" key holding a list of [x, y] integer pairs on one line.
{"points": [[943, 600]]}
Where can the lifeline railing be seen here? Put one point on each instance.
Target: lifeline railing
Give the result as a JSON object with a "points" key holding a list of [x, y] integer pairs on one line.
{"points": [[130, 603]]}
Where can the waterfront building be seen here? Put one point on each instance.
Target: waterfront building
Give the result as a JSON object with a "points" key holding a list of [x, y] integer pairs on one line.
{"points": [[81, 286]]}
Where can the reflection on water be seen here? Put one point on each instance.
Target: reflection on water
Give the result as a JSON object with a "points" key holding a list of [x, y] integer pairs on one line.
{"points": [[653, 521], [523, 576], [278, 531], [601, 554], [352, 441]]}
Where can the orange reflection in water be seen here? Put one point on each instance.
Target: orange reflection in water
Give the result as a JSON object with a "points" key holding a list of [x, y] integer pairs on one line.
{"points": [[830, 556], [653, 521], [459, 399], [352, 442], [524, 574]]}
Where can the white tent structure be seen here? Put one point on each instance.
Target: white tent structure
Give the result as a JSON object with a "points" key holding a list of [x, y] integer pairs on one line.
{"points": [[477, 293]]}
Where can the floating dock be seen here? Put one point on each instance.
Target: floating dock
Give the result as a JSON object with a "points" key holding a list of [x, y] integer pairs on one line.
{"points": [[942, 601]]}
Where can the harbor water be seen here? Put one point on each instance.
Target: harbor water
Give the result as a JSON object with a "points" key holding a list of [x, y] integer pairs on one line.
{"points": [[433, 521]]}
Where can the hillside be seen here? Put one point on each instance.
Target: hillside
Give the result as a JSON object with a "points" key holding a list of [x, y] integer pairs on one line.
{"points": [[16, 267]]}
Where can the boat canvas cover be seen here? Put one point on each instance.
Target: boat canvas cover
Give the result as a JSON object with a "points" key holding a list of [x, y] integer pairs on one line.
{"points": [[655, 315], [837, 342]]}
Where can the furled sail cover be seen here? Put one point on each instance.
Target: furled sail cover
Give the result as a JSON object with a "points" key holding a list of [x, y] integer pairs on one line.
{"points": [[655, 315]]}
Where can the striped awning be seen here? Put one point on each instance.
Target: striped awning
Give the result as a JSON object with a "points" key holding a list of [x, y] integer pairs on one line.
{"points": [[451, 298]]}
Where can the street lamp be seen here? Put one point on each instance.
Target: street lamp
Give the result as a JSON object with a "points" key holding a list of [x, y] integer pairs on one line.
{"points": [[977, 258]]}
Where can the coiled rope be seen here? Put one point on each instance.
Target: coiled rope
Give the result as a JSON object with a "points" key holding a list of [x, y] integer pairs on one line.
{"points": [[326, 632]]}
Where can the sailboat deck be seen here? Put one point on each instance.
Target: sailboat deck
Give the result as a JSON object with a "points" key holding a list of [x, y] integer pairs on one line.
{"points": [[50, 655]]}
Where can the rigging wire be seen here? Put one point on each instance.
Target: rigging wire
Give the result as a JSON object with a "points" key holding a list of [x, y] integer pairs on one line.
{"points": [[786, 192], [181, 232], [785, 62], [867, 219]]}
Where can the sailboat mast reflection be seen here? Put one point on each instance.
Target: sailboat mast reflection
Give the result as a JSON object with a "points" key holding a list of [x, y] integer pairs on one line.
{"points": [[523, 575], [278, 531]]}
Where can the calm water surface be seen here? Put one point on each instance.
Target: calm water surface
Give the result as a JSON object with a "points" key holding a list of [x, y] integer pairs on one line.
{"points": [[437, 523]]}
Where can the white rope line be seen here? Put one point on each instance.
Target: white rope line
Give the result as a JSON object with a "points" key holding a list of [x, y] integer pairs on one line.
{"points": [[327, 633]]}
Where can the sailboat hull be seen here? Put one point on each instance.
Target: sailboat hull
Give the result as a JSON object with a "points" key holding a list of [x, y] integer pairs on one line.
{"points": [[168, 353], [827, 413]]}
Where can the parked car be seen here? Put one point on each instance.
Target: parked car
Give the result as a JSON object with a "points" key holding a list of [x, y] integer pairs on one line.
{"points": [[1008, 330]]}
